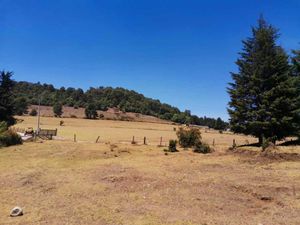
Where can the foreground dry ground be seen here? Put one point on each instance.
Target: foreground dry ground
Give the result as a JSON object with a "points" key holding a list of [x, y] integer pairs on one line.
{"points": [[61, 182]]}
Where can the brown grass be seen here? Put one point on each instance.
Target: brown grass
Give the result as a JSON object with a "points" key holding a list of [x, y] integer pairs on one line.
{"points": [[61, 182]]}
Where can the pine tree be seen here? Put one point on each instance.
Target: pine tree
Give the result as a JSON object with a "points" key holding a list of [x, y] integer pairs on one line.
{"points": [[296, 73], [6, 98], [264, 98]]}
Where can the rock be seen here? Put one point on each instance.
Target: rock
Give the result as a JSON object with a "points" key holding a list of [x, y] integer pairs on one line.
{"points": [[17, 211]]}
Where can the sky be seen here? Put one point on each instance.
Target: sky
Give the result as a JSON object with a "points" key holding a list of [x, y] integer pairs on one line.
{"points": [[180, 52]]}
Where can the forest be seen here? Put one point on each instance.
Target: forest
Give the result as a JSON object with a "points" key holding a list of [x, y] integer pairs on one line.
{"points": [[102, 98]]}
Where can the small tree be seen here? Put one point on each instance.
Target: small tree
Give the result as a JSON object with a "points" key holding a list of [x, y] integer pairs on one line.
{"points": [[91, 111], [57, 109]]}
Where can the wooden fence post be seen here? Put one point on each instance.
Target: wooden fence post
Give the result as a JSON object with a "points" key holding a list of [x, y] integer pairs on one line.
{"points": [[133, 142], [160, 143], [233, 143], [97, 139], [213, 142], [145, 141], [74, 137]]}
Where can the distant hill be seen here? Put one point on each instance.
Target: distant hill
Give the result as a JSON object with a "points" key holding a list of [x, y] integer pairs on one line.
{"points": [[107, 97]]}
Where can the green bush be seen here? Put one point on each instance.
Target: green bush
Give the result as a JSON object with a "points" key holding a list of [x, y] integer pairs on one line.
{"points": [[172, 146], [188, 138], [8, 138], [33, 112], [202, 148], [3, 127]]}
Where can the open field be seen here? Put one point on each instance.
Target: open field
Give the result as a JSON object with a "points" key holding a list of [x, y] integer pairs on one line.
{"points": [[113, 182], [123, 131]]}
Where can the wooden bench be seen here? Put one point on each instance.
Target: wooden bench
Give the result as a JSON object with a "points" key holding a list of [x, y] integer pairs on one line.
{"points": [[47, 134]]}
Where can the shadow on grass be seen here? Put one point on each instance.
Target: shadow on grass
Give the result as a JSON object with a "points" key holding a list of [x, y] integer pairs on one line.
{"points": [[250, 145], [290, 143]]}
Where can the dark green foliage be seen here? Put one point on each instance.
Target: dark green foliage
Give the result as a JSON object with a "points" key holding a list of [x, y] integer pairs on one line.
{"points": [[220, 124], [188, 137], [104, 98], [8, 137], [57, 110], [296, 74], [33, 112], [91, 111], [172, 146], [6, 98], [20, 106], [296, 63], [201, 147], [264, 94]]}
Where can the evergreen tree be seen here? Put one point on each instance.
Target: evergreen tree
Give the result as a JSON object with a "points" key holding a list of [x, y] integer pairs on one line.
{"points": [[264, 94], [296, 73], [296, 63], [6, 98]]}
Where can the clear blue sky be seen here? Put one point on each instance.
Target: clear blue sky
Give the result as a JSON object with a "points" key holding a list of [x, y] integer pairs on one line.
{"points": [[180, 52]]}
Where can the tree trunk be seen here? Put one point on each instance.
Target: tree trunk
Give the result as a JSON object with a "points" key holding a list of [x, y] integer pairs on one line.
{"points": [[260, 140]]}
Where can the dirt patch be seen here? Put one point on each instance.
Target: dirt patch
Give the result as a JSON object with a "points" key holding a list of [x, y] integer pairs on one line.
{"points": [[267, 156]]}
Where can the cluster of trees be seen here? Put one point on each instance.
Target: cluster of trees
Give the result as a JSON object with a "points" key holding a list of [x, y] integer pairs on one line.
{"points": [[102, 98], [265, 92]]}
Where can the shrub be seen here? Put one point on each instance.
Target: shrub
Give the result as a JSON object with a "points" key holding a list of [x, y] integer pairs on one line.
{"points": [[188, 138], [202, 148], [3, 127], [33, 112], [172, 146], [73, 116], [9, 138]]}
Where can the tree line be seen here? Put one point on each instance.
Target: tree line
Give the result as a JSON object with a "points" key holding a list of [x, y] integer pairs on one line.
{"points": [[101, 98], [265, 92]]}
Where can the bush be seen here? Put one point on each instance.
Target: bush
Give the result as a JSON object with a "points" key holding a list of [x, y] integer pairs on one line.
{"points": [[33, 112], [172, 146], [73, 116], [188, 138], [8, 137], [202, 148]]}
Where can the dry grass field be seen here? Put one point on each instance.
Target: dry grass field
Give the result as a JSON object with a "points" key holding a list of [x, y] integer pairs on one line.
{"points": [[114, 182]]}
